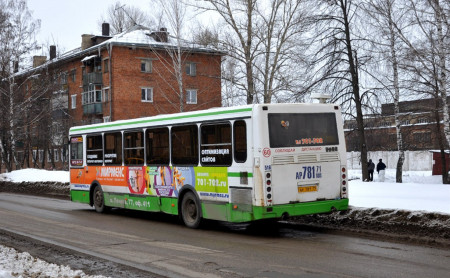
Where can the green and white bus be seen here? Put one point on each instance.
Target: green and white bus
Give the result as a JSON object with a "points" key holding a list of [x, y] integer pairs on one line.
{"points": [[236, 164]]}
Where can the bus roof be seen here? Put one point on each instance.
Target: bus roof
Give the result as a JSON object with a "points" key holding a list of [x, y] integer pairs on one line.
{"points": [[179, 118]]}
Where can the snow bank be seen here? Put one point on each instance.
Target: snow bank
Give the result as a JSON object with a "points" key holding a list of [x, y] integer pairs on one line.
{"points": [[15, 264], [36, 175], [420, 191]]}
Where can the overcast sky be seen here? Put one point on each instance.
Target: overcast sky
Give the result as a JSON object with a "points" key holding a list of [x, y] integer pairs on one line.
{"points": [[64, 21]]}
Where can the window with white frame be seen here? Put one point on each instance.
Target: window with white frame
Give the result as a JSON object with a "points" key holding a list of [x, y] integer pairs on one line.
{"points": [[191, 69], [56, 154], [73, 101], [41, 155], [93, 95], [146, 65], [106, 94], [191, 96], [146, 94]]}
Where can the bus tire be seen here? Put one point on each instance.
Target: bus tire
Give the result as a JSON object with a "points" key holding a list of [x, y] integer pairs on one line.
{"points": [[99, 200], [191, 210]]}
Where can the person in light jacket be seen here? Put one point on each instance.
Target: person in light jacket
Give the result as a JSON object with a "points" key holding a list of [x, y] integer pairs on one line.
{"points": [[381, 167]]}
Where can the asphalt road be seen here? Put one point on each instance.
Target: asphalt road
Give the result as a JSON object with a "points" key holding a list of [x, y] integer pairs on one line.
{"points": [[159, 244]]}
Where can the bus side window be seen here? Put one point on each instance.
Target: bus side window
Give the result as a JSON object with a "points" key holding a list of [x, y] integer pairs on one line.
{"points": [[215, 147], [240, 141], [185, 145], [134, 148], [157, 144], [94, 150], [113, 148]]}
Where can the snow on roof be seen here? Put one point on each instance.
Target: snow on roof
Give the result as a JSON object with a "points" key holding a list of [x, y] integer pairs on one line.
{"points": [[87, 58], [137, 35]]}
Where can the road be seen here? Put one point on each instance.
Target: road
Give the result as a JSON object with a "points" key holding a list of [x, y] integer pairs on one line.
{"points": [[159, 244]]}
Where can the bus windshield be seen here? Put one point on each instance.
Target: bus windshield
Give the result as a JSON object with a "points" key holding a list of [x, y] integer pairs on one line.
{"points": [[302, 129]]}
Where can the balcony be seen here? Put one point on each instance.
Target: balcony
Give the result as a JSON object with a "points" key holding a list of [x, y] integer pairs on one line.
{"points": [[92, 108], [92, 78]]}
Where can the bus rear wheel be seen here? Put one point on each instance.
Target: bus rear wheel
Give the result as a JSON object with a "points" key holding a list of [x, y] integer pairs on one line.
{"points": [[99, 201], [191, 210]]}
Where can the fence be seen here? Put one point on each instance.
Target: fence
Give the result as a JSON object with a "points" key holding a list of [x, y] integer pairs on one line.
{"points": [[414, 160]]}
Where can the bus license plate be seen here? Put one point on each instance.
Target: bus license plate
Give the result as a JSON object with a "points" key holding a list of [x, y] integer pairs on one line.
{"points": [[303, 189]]}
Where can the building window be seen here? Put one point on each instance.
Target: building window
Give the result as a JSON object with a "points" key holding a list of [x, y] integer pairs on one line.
{"points": [[405, 122], [93, 95], [191, 69], [423, 121], [146, 65], [105, 65], [191, 96], [422, 137], [56, 155], [34, 155], [147, 94], [73, 75], [73, 101], [64, 78], [41, 155], [105, 94]]}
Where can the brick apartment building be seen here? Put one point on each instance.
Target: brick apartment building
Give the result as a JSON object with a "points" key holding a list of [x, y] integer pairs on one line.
{"points": [[420, 125], [125, 76]]}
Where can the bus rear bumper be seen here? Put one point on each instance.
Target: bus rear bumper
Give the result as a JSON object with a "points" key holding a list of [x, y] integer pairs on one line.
{"points": [[286, 210]]}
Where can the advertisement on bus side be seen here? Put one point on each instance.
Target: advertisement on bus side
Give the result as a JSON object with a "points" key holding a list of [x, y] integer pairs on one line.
{"points": [[164, 181]]}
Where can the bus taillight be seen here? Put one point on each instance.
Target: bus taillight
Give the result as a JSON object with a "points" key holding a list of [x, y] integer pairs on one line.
{"points": [[268, 187], [344, 182]]}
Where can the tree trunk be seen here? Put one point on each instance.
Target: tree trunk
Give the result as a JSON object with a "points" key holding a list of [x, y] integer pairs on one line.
{"points": [[353, 69]]}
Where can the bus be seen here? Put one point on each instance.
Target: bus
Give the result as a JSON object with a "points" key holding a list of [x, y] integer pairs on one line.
{"points": [[235, 164]]}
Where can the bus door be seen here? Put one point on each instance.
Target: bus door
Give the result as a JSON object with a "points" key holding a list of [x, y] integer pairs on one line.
{"points": [[77, 171]]}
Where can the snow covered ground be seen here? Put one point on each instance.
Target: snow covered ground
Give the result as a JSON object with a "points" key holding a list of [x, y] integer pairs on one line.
{"points": [[14, 264], [420, 191]]}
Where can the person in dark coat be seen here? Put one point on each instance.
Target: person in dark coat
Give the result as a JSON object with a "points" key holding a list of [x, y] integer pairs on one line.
{"points": [[370, 169], [381, 170]]}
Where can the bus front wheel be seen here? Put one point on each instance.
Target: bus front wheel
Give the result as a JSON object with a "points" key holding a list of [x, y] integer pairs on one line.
{"points": [[191, 210], [99, 201]]}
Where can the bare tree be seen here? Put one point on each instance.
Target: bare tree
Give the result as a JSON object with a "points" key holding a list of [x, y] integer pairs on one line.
{"points": [[337, 65], [17, 37], [239, 41], [122, 17], [385, 16], [428, 43]]}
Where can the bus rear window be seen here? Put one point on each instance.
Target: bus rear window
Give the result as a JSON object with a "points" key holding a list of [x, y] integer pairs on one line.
{"points": [[306, 129]]}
